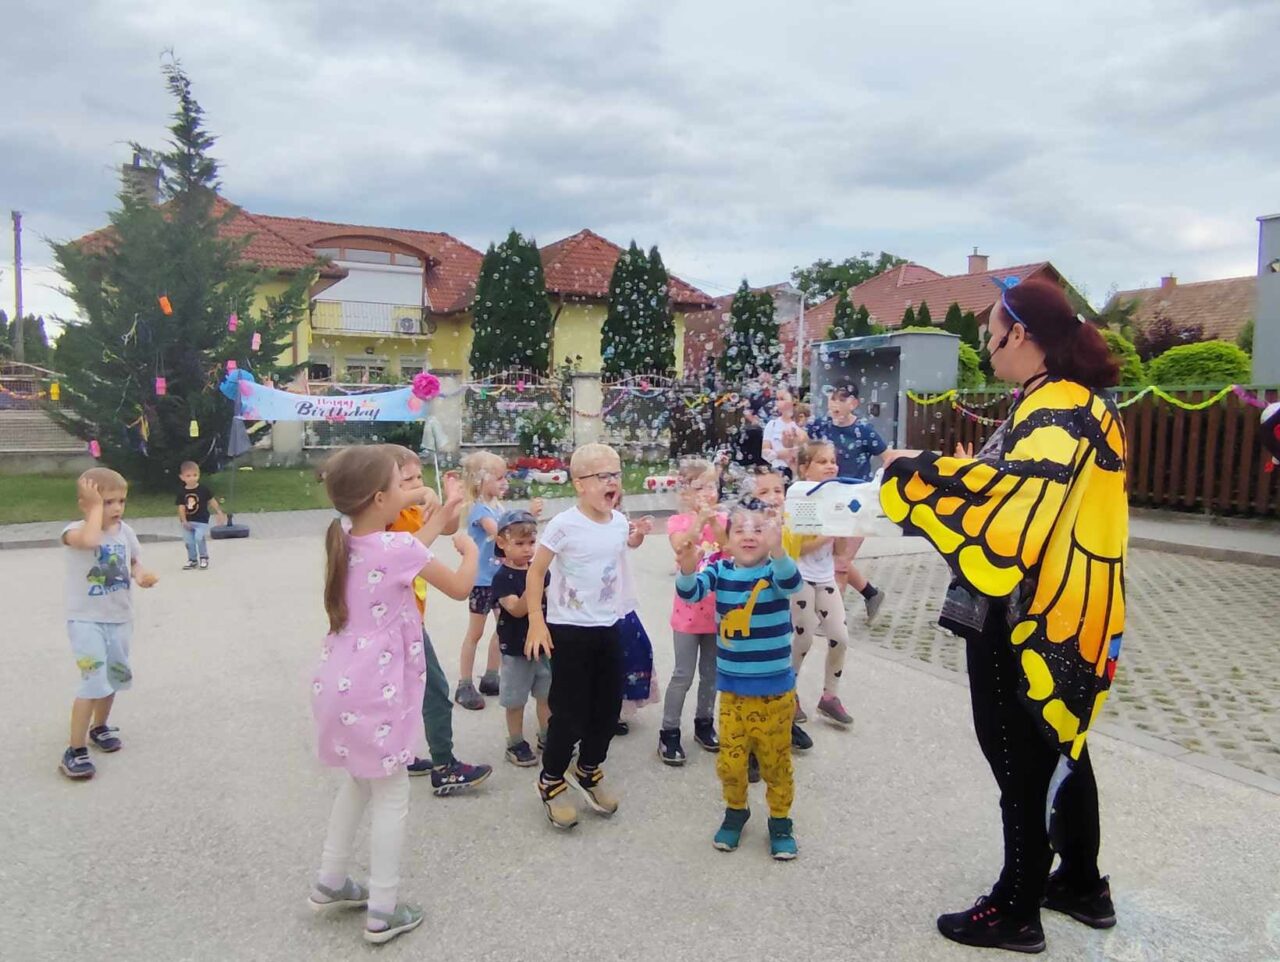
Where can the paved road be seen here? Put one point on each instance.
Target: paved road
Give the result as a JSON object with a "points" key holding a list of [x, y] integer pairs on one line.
{"points": [[197, 841]]}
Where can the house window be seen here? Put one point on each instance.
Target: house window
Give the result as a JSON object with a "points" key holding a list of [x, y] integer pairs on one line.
{"points": [[329, 252], [362, 369], [409, 366], [408, 260], [320, 370], [367, 257]]}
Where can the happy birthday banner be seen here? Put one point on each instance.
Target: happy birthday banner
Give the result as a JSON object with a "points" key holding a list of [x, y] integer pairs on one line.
{"points": [[261, 403]]}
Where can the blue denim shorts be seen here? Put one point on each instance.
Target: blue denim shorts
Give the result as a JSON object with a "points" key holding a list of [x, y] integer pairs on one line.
{"points": [[101, 651]]}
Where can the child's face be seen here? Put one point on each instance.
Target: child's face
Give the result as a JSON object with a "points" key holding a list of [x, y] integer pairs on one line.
{"points": [[190, 477], [785, 403], [700, 492], [494, 484], [841, 407], [518, 549], [823, 465], [748, 544], [411, 481], [398, 495], [113, 501], [768, 488], [599, 486]]}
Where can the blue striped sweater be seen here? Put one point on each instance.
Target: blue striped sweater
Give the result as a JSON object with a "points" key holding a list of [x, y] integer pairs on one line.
{"points": [[753, 650]]}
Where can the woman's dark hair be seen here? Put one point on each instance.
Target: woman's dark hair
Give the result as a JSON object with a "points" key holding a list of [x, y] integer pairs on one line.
{"points": [[1073, 348]]}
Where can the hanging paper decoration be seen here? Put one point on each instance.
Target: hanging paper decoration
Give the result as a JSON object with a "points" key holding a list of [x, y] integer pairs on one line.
{"points": [[165, 307], [232, 323], [162, 387], [95, 449], [257, 341], [55, 391], [195, 429], [231, 366], [520, 386]]}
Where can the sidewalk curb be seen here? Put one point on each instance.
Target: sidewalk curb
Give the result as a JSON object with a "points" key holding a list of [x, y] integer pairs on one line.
{"points": [[1209, 552], [57, 542], [1122, 733]]}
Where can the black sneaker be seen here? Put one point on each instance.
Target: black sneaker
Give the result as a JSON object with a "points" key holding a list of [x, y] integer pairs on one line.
{"points": [[105, 739], [489, 683], [75, 763], [669, 748], [457, 777], [419, 767], [621, 728], [189, 566], [704, 733], [989, 926], [521, 755], [800, 740], [753, 769], [1093, 907]]}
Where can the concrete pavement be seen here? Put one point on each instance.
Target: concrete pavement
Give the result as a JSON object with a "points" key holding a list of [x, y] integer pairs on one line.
{"points": [[197, 841]]}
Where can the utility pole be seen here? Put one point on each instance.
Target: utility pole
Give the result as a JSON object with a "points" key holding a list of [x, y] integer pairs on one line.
{"points": [[18, 352]]}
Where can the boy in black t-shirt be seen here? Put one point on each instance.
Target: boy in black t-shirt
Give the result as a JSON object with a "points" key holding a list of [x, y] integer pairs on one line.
{"points": [[519, 677], [194, 501]]}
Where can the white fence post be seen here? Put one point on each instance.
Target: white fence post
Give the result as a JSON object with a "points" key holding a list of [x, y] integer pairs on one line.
{"points": [[588, 402]]}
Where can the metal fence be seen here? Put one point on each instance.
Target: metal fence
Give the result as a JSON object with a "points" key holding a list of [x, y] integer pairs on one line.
{"points": [[495, 408], [27, 393], [639, 409]]}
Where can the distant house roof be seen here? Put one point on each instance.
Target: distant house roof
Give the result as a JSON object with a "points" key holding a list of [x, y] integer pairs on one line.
{"points": [[580, 266], [451, 265], [1220, 307], [887, 296]]}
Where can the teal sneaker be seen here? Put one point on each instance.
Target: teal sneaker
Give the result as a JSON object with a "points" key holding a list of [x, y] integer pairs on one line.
{"points": [[352, 895], [730, 833], [782, 844], [382, 927]]}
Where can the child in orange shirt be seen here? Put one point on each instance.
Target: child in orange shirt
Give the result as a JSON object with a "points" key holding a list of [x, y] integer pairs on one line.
{"points": [[427, 522]]}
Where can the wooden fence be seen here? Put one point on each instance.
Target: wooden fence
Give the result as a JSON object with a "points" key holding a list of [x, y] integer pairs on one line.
{"points": [[1211, 461]]}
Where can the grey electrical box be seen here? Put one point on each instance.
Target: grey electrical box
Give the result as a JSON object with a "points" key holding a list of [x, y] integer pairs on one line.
{"points": [[885, 367]]}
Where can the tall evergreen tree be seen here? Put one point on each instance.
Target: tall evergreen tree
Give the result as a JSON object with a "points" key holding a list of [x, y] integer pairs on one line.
{"points": [[111, 357], [511, 316], [623, 328], [660, 357], [751, 345], [923, 317], [953, 323], [969, 332], [862, 326], [908, 317], [843, 323]]}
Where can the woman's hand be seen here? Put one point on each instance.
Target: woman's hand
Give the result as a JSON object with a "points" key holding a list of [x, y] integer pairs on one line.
{"points": [[962, 451]]}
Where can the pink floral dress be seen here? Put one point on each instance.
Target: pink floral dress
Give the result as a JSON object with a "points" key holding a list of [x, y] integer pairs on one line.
{"points": [[366, 694], [700, 618]]}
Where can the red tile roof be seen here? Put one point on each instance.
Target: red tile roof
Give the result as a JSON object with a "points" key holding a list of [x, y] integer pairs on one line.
{"points": [[267, 247], [1221, 307], [452, 266], [581, 265]]}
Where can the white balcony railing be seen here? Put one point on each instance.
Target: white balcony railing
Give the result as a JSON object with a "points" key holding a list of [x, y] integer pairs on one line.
{"points": [[366, 317]]}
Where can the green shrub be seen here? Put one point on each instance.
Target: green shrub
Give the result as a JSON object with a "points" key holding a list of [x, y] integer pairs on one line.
{"points": [[1132, 373], [968, 369], [1208, 363]]}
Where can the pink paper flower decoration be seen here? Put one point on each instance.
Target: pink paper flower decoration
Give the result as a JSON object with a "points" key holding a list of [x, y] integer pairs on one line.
{"points": [[425, 386]]}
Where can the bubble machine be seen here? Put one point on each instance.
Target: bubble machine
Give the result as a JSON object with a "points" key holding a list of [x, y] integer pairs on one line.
{"points": [[885, 367]]}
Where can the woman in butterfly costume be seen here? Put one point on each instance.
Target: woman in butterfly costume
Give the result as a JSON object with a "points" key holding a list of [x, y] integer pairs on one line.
{"points": [[1035, 530]]}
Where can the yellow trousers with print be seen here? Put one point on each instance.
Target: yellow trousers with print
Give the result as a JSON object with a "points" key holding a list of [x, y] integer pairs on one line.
{"points": [[759, 725]]}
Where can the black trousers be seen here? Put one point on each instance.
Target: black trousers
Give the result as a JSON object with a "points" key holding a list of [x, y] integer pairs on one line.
{"points": [[586, 696], [1023, 762]]}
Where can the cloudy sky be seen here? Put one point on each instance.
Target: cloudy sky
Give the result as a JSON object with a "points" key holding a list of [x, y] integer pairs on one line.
{"points": [[1121, 140]]}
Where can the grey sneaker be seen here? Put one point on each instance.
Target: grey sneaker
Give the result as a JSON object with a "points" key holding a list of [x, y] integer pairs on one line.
{"points": [[489, 683], [75, 763], [830, 706], [352, 895], [382, 927], [874, 604], [468, 697]]}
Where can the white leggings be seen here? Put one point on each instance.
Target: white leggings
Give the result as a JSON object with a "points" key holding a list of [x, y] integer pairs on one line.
{"points": [[388, 802], [813, 605]]}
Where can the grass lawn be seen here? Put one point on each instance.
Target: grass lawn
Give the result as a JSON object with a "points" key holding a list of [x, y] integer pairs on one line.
{"points": [[52, 497]]}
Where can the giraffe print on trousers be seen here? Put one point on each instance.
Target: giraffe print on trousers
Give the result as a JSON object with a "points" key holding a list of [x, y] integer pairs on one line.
{"points": [[759, 725]]}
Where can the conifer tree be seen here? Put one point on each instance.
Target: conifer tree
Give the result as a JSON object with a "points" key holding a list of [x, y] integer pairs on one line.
{"points": [[511, 316], [751, 344]]}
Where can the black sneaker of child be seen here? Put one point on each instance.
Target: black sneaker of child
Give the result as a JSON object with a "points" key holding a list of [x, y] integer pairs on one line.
{"points": [[75, 763], [989, 925], [1092, 906], [800, 740], [669, 748], [704, 733]]}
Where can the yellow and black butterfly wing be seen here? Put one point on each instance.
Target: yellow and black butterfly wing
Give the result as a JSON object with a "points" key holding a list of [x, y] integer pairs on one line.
{"points": [[1050, 517]]}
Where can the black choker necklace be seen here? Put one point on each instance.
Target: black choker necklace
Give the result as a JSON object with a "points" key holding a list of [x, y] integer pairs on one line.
{"points": [[1034, 380]]}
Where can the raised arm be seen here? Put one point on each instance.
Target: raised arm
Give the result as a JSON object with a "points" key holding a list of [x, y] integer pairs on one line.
{"points": [[456, 583], [89, 536]]}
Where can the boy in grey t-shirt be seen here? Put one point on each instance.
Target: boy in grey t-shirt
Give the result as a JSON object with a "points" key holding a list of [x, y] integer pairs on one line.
{"points": [[102, 563]]}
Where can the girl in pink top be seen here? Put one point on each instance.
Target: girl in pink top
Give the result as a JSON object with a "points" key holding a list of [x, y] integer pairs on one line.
{"points": [[693, 626], [367, 690]]}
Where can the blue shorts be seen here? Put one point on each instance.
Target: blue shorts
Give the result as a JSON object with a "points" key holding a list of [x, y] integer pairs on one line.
{"points": [[101, 651]]}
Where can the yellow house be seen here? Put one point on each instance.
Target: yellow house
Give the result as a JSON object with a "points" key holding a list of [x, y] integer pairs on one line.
{"points": [[390, 302]]}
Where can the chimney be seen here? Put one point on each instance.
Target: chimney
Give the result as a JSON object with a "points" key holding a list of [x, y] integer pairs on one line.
{"points": [[977, 262], [140, 182], [1168, 282]]}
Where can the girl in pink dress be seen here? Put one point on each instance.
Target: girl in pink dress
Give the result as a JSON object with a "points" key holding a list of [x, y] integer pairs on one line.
{"points": [[367, 690], [693, 627]]}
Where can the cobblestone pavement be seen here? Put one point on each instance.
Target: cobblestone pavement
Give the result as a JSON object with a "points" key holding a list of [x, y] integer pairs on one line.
{"points": [[1201, 660]]}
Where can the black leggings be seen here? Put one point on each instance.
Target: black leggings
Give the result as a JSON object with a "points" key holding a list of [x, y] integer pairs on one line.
{"points": [[1023, 762], [585, 698]]}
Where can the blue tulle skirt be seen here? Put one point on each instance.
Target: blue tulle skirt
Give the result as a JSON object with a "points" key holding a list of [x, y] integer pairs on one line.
{"points": [[638, 684]]}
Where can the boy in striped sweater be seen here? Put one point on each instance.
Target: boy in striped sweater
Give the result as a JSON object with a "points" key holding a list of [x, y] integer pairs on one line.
{"points": [[753, 666]]}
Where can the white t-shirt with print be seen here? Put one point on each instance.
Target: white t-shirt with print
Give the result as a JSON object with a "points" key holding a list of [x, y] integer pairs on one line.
{"points": [[99, 581], [818, 567], [773, 434], [586, 573]]}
